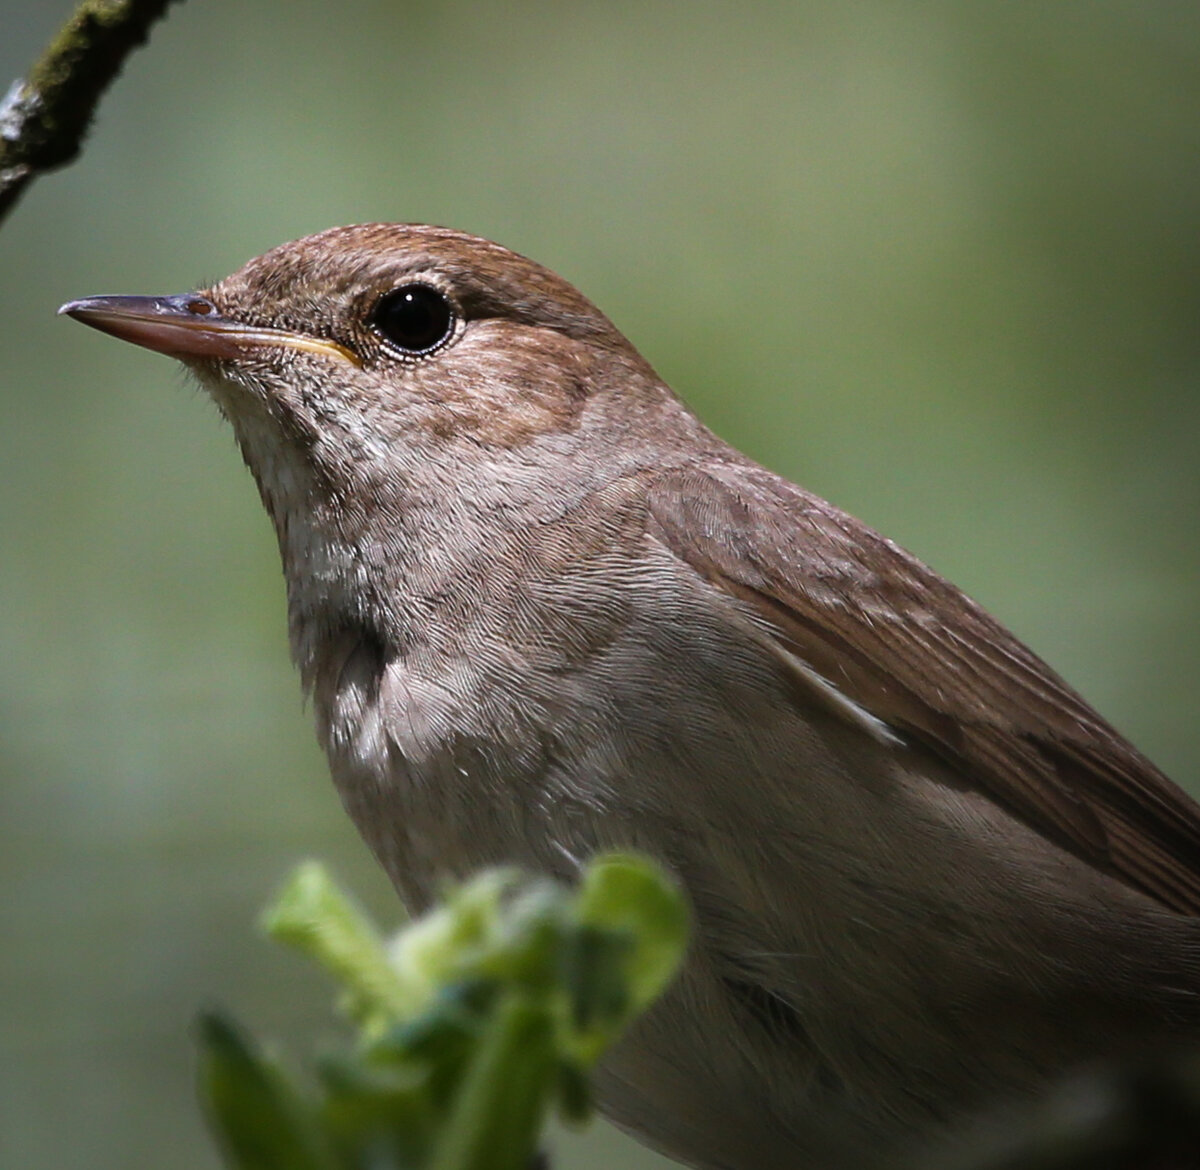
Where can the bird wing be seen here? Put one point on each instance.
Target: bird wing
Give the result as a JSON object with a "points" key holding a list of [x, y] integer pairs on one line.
{"points": [[911, 650]]}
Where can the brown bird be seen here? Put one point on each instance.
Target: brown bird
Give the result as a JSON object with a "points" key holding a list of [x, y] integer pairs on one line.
{"points": [[542, 611]]}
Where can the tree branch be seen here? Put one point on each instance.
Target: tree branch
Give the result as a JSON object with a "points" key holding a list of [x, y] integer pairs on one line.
{"points": [[44, 119]]}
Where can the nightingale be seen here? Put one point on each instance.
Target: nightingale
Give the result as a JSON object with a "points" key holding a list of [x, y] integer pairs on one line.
{"points": [[542, 611]]}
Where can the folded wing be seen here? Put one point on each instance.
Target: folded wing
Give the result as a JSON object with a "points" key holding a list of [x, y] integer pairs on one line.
{"points": [[912, 651]]}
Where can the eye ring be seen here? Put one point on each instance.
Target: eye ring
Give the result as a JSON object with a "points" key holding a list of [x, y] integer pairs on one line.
{"points": [[414, 319]]}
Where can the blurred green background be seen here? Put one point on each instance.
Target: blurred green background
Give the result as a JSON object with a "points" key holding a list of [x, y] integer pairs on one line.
{"points": [[937, 261]]}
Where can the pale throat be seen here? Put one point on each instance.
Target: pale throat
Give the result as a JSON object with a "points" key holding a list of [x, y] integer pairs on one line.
{"points": [[322, 567]]}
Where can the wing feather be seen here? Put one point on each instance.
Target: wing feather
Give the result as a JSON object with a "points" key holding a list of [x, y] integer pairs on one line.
{"points": [[911, 650]]}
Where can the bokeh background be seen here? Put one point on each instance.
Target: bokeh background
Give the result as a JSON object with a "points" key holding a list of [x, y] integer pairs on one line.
{"points": [[937, 261]]}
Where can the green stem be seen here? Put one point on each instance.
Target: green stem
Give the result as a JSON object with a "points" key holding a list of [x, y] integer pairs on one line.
{"points": [[497, 1115]]}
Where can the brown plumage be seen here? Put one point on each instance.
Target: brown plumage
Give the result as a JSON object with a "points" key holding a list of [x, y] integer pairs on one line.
{"points": [[907, 646], [543, 611]]}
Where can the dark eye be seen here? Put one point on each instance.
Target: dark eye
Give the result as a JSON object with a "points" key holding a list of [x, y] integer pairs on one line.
{"points": [[414, 318]]}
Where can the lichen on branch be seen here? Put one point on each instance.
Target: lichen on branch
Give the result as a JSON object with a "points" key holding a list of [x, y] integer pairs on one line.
{"points": [[44, 117]]}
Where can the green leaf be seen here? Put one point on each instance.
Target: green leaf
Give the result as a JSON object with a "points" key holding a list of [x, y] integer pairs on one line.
{"points": [[447, 942], [631, 939], [593, 969], [574, 1094], [379, 1115], [313, 915], [442, 1039], [259, 1119]]}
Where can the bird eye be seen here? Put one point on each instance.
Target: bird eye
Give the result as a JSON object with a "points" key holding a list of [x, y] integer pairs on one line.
{"points": [[414, 319]]}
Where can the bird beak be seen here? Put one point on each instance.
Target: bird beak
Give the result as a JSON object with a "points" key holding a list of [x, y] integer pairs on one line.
{"points": [[190, 326]]}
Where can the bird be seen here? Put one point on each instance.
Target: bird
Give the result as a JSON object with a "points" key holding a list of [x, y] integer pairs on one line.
{"points": [[541, 611]]}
